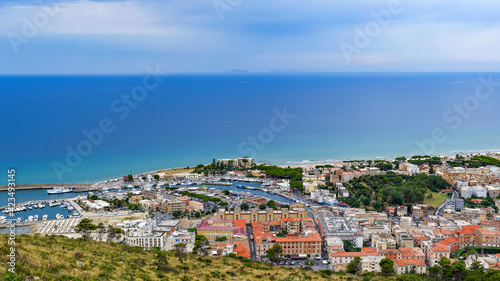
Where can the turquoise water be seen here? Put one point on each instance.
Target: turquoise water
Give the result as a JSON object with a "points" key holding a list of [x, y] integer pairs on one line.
{"points": [[189, 119]]}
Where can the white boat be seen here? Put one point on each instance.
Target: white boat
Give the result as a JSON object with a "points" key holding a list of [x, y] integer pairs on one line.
{"points": [[45, 217], [70, 208], [18, 219], [59, 190], [30, 207], [35, 218], [30, 218], [41, 206]]}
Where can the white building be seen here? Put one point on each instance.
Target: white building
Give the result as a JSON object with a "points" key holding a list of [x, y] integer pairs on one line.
{"points": [[479, 191], [371, 263], [182, 236], [146, 239], [466, 192]]}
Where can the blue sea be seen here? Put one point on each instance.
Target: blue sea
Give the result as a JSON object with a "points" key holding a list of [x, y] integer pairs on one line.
{"points": [[91, 128]]}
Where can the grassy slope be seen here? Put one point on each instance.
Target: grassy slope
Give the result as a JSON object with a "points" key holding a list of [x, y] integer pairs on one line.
{"points": [[437, 199], [55, 258]]}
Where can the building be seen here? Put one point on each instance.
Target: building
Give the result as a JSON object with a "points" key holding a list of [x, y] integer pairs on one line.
{"points": [[178, 237], [171, 205], [493, 191], [466, 192], [405, 240], [407, 265], [421, 211], [371, 263], [341, 227], [146, 239], [435, 251], [340, 260], [342, 191], [401, 211], [218, 228], [487, 238], [383, 241], [195, 205], [269, 214], [307, 244], [263, 239], [456, 203], [479, 191], [237, 163], [473, 214], [409, 168]]}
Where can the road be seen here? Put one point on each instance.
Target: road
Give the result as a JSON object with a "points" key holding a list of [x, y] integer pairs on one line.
{"points": [[251, 243], [441, 207]]}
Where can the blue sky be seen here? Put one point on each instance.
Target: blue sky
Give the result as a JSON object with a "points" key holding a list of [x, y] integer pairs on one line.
{"points": [[121, 37]]}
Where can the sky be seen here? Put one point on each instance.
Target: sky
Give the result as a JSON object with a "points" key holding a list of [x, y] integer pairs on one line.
{"points": [[213, 36]]}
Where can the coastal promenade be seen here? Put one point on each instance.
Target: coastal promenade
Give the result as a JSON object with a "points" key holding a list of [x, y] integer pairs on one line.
{"points": [[77, 187]]}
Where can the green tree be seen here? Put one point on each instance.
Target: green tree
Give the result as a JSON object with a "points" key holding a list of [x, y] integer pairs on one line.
{"points": [[387, 266], [156, 176], [274, 253], [262, 207], [272, 204], [180, 251], [201, 245], [354, 267], [244, 206], [348, 246], [220, 239], [177, 214], [226, 192], [130, 177]]}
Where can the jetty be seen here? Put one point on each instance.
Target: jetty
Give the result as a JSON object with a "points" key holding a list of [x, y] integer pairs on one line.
{"points": [[77, 187]]}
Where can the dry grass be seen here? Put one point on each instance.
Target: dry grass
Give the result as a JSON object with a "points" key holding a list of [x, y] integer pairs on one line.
{"points": [[56, 258], [176, 171]]}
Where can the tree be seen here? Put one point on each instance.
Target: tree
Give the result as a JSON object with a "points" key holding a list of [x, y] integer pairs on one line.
{"points": [[130, 177], [156, 176], [431, 170], [244, 206], [354, 267], [272, 204], [85, 226], [220, 239], [476, 266], [197, 214], [226, 192], [177, 214], [262, 207], [180, 251], [387, 266], [348, 246], [274, 253], [201, 245]]}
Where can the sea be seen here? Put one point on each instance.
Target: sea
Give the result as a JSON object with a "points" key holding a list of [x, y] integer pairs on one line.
{"points": [[61, 129]]}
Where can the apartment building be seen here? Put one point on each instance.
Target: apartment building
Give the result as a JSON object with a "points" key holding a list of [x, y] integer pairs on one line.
{"points": [[309, 243], [262, 215], [146, 239], [487, 238], [340, 260], [181, 236], [217, 228], [407, 265], [421, 211], [383, 241]]}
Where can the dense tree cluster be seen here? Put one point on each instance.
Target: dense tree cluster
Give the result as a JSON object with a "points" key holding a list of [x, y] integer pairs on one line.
{"points": [[393, 189]]}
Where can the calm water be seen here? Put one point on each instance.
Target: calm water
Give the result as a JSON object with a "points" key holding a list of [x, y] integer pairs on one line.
{"points": [[190, 119]]}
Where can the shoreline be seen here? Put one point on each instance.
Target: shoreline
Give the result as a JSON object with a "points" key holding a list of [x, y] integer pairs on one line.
{"points": [[293, 164]]}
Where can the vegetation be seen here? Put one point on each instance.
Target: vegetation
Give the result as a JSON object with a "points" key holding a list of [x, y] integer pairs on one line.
{"points": [[387, 266], [58, 258], [435, 199], [274, 253], [293, 174], [205, 198], [393, 189], [354, 267]]}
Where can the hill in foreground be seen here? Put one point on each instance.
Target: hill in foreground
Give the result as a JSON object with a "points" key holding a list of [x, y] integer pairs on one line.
{"points": [[61, 258]]}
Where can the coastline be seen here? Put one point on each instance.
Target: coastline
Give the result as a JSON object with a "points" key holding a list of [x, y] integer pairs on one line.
{"points": [[293, 164]]}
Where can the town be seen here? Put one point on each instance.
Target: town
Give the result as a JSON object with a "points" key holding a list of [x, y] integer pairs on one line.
{"points": [[385, 216]]}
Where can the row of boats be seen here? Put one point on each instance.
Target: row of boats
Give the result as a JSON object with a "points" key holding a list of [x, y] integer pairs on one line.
{"points": [[30, 206]]}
